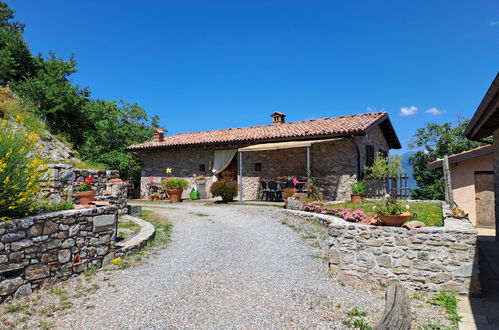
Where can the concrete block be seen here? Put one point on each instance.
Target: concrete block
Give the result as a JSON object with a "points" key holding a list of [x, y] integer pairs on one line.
{"points": [[104, 222]]}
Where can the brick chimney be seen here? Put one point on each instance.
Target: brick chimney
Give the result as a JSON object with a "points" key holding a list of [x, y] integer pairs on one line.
{"points": [[158, 135], [278, 118]]}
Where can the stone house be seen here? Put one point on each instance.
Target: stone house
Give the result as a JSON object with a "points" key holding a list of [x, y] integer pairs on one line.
{"points": [[485, 123], [472, 181], [332, 150]]}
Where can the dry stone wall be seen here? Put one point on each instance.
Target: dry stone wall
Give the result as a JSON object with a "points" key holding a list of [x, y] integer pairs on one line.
{"points": [[59, 185], [53, 246], [428, 259]]}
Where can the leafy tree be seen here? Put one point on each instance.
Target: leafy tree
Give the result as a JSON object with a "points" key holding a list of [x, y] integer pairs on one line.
{"points": [[114, 127], [434, 141], [384, 166], [16, 60]]}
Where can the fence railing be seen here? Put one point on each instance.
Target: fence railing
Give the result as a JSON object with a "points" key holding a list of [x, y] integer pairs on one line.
{"points": [[393, 185]]}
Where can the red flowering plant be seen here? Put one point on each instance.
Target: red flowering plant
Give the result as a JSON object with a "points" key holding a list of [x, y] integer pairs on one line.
{"points": [[85, 185]]}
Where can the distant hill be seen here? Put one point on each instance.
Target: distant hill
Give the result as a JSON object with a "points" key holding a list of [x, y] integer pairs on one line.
{"points": [[411, 183]]}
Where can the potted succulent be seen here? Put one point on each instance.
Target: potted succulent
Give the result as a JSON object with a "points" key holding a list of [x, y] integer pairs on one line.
{"points": [[358, 191], [154, 196], [174, 187], [84, 191], [391, 212]]}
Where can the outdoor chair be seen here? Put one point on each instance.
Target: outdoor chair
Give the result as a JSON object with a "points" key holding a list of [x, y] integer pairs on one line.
{"points": [[275, 192], [265, 191], [300, 186]]}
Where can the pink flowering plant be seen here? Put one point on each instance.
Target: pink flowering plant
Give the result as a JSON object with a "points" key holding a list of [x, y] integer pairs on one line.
{"points": [[459, 213], [316, 207], [349, 214]]}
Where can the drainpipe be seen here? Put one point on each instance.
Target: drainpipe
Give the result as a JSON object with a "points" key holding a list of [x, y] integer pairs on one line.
{"points": [[358, 156]]}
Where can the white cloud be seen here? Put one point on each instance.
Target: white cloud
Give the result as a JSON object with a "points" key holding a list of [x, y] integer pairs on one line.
{"points": [[435, 112], [493, 23], [374, 109], [408, 111]]}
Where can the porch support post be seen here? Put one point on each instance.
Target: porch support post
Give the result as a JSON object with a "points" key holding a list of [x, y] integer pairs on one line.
{"points": [[240, 176], [308, 163]]}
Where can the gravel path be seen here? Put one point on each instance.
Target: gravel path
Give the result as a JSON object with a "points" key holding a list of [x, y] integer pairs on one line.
{"points": [[239, 267]]}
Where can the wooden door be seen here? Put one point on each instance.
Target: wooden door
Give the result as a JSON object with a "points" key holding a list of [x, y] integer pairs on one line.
{"points": [[484, 199], [231, 170]]}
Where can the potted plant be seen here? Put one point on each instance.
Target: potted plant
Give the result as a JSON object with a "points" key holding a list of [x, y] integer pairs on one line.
{"points": [[391, 212], [225, 188], [154, 196], [84, 191], [358, 191], [174, 187]]}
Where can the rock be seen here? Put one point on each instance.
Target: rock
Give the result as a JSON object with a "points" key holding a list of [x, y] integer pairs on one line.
{"points": [[22, 244], [384, 261], [24, 223], [3, 259], [440, 278], [35, 272], [64, 256], [23, 291], [365, 260], [52, 243], [40, 238], [68, 243], [11, 237], [294, 204], [49, 228], [9, 286], [67, 175], [134, 210], [35, 230], [413, 224], [104, 222], [73, 230]]}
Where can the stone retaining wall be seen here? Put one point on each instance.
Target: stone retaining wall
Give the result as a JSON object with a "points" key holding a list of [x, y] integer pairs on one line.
{"points": [[53, 246], [59, 185], [428, 259]]}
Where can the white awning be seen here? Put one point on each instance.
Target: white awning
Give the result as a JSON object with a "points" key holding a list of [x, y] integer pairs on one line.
{"points": [[285, 145]]}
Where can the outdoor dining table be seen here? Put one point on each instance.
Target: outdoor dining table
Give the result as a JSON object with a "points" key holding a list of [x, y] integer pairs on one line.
{"points": [[275, 195]]}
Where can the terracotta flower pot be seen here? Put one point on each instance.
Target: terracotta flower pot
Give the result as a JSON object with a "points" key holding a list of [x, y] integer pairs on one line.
{"points": [[356, 198], [395, 220], [154, 198], [85, 197], [175, 195]]}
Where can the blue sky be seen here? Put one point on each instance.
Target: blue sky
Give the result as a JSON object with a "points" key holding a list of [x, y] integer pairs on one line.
{"points": [[217, 64]]}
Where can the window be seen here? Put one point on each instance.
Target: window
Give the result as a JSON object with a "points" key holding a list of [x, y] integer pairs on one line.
{"points": [[258, 167], [202, 168], [369, 155]]}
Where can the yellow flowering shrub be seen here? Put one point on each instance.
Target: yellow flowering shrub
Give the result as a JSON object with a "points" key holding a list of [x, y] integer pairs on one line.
{"points": [[20, 170]]}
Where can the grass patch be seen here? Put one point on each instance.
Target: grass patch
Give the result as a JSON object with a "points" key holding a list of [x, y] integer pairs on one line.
{"points": [[356, 320], [15, 308], [127, 230], [162, 226], [46, 325], [83, 164], [448, 301], [201, 215], [46, 207], [428, 213], [146, 201], [310, 237], [90, 271]]}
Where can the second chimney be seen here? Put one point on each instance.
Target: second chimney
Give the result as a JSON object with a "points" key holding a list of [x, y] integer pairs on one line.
{"points": [[158, 135], [278, 118]]}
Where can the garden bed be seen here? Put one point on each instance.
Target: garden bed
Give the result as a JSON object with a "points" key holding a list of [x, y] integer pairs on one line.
{"points": [[429, 213]]}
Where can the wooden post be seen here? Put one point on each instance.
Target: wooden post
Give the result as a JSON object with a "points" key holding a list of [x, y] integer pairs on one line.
{"points": [[449, 196], [397, 314]]}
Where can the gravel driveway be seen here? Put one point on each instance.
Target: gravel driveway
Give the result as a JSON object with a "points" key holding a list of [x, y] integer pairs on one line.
{"points": [[238, 267]]}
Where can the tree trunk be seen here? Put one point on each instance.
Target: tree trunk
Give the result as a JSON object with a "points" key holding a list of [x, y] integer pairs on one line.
{"points": [[397, 315]]}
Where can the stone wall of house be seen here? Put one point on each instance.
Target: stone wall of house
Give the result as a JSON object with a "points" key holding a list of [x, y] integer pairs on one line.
{"points": [[428, 259], [496, 177], [333, 164], [59, 185], [53, 246]]}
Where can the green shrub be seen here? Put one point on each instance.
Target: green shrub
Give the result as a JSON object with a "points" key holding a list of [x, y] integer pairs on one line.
{"points": [[20, 170], [225, 188], [359, 188], [174, 183], [56, 207]]}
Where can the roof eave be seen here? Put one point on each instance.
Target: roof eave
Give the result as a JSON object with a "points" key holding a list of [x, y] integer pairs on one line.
{"points": [[484, 113]]}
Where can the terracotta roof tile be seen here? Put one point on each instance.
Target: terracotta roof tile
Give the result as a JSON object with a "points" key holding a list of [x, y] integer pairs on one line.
{"points": [[339, 126], [485, 148]]}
